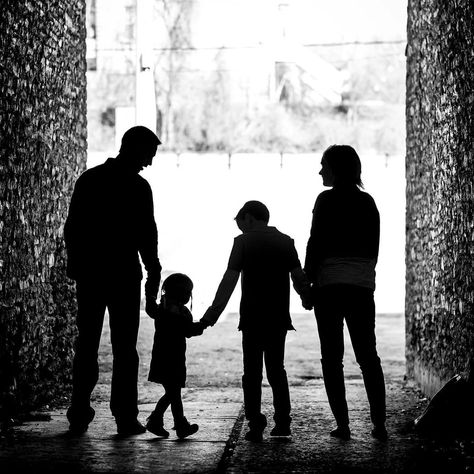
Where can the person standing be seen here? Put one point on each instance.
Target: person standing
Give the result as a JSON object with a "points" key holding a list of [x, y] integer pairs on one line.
{"points": [[341, 256], [110, 225], [266, 258]]}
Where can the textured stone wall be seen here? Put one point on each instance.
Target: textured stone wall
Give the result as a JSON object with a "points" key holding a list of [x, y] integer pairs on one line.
{"points": [[440, 194], [43, 149]]}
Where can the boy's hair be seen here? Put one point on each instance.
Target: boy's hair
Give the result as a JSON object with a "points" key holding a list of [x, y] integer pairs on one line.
{"points": [[176, 284], [344, 162], [256, 209]]}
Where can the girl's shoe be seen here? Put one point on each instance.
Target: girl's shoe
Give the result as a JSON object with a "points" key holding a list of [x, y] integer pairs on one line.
{"points": [[184, 428], [155, 425]]}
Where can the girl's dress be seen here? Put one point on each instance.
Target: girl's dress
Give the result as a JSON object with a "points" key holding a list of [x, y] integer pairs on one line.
{"points": [[173, 324]]}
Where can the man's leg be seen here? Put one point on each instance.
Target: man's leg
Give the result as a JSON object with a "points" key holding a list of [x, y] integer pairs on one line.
{"points": [[252, 381], [277, 378], [124, 318], [85, 371]]}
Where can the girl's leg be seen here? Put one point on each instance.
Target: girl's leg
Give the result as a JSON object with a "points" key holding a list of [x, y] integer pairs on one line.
{"points": [[162, 404], [155, 420], [173, 394], [181, 424]]}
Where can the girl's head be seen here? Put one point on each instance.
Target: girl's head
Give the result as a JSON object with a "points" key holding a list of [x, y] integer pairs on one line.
{"points": [[340, 165], [178, 287]]}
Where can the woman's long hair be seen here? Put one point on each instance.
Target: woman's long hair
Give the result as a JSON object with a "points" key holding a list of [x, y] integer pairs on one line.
{"points": [[345, 164]]}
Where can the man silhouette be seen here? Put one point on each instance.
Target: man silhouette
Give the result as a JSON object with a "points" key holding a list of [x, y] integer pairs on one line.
{"points": [[109, 226]]}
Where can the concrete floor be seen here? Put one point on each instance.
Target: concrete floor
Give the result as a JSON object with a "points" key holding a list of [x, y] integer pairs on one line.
{"points": [[213, 399]]}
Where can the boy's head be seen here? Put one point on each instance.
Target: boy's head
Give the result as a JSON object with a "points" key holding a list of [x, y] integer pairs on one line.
{"points": [[252, 213], [178, 287]]}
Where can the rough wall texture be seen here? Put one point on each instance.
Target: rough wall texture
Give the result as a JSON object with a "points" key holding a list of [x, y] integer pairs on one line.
{"points": [[43, 149], [440, 194]]}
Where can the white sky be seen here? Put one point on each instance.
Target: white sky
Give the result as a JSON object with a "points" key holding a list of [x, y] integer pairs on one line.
{"points": [[243, 22]]}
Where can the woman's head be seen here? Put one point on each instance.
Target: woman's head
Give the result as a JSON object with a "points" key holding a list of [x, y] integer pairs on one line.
{"points": [[341, 166], [178, 287]]}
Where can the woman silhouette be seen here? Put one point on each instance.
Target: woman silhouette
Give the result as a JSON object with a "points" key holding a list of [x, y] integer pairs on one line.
{"points": [[341, 255]]}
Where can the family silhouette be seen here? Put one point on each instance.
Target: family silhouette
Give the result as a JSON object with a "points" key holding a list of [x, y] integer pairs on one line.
{"points": [[111, 226]]}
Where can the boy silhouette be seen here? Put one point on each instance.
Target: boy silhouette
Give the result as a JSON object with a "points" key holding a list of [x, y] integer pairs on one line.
{"points": [[265, 258]]}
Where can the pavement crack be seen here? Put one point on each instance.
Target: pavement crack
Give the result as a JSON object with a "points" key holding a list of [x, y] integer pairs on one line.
{"points": [[231, 442]]}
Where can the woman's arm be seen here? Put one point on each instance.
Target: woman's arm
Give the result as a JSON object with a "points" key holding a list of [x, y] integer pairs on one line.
{"points": [[314, 246]]}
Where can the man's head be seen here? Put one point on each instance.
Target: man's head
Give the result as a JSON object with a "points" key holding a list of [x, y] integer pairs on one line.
{"points": [[139, 145], [251, 215]]}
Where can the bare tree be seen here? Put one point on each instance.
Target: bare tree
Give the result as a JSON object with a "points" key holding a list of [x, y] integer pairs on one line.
{"points": [[176, 18]]}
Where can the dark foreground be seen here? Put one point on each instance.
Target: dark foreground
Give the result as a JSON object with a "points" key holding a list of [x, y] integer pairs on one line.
{"points": [[213, 399]]}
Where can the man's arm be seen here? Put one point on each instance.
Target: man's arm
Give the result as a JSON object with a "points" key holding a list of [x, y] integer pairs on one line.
{"points": [[149, 252], [223, 294]]}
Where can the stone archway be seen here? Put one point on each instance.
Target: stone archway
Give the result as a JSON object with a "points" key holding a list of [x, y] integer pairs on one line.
{"points": [[43, 143], [43, 149], [440, 192]]}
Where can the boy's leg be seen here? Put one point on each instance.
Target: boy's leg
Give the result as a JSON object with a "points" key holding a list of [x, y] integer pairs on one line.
{"points": [[361, 326], [277, 378], [252, 349], [330, 319]]}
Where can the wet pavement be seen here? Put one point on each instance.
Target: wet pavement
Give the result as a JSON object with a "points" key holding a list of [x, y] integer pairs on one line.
{"points": [[213, 399]]}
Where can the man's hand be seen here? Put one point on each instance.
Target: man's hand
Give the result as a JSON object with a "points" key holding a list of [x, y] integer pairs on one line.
{"points": [[151, 308]]}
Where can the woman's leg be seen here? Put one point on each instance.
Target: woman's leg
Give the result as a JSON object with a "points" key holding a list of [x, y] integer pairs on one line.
{"points": [[330, 320], [361, 326]]}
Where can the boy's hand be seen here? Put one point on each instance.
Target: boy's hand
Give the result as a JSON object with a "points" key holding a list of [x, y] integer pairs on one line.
{"points": [[205, 323], [151, 308]]}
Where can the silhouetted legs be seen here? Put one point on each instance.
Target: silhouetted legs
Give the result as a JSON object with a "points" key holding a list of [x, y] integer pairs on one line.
{"points": [[171, 397], [356, 306], [269, 347], [123, 301], [124, 316]]}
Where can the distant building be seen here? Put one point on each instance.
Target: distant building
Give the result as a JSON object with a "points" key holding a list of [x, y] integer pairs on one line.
{"points": [[143, 64]]}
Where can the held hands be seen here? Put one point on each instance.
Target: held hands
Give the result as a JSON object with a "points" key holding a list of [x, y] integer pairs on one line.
{"points": [[151, 308], [199, 328], [307, 299], [307, 303]]}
